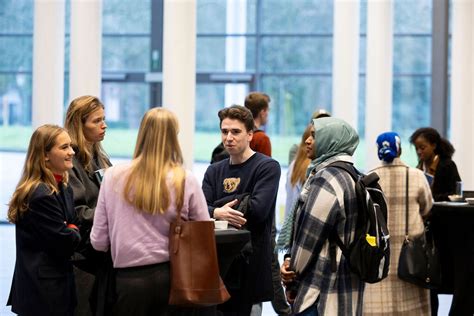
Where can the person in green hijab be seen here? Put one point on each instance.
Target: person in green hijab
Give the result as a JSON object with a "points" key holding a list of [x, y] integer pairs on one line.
{"points": [[327, 203], [335, 137]]}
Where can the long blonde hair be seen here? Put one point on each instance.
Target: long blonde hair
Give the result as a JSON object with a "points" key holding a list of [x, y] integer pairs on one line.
{"points": [[301, 160], [77, 113], [35, 170], [157, 152]]}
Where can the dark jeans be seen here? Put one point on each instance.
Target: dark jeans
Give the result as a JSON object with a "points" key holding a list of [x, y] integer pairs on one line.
{"points": [[279, 299], [279, 304], [84, 283], [142, 291]]}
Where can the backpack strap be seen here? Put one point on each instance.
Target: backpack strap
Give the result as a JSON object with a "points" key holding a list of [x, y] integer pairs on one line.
{"points": [[333, 236], [348, 167]]}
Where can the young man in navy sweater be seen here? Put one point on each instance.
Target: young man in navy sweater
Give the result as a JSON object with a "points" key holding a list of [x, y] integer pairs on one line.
{"points": [[226, 183]]}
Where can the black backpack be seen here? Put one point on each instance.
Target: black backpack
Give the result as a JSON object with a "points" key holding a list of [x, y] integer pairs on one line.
{"points": [[369, 254]]}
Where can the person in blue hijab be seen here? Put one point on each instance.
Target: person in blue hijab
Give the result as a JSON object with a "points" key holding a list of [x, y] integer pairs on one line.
{"points": [[388, 146], [393, 296]]}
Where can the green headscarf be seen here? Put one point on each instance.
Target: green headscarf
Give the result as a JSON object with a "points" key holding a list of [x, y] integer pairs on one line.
{"points": [[332, 137]]}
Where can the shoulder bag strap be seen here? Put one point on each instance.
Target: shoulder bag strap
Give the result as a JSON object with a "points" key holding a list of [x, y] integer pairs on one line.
{"points": [[406, 205], [179, 222]]}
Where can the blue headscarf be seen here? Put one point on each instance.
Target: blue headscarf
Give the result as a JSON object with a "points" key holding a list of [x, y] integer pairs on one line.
{"points": [[388, 146]]}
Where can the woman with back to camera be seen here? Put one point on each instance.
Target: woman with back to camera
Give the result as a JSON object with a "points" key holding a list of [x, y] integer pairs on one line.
{"points": [[434, 154], [393, 296], [42, 210], [85, 122], [137, 203]]}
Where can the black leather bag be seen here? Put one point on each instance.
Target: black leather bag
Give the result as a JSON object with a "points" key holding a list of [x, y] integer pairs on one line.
{"points": [[419, 259]]}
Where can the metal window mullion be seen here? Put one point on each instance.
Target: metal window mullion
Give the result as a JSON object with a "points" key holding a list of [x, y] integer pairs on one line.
{"points": [[439, 62]]}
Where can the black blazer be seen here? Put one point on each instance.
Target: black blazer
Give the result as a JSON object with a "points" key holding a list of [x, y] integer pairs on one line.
{"points": [[43, 281], [444, 182]]}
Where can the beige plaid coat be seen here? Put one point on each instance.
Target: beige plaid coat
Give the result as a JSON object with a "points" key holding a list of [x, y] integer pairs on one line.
{"points": [[393, 296]]}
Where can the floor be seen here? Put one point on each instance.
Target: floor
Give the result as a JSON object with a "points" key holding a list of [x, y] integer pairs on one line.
{"points": [[10, 170]]}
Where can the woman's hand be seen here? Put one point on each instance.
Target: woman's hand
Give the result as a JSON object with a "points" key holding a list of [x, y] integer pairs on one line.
{"points": [[287, 276]]}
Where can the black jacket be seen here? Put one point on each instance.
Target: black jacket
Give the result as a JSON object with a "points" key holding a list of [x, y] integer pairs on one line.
{"points": [[43, 281], [445, 179]]}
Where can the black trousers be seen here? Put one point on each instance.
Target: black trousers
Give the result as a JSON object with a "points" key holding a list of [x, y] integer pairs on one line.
{"points": [[142, 291]]}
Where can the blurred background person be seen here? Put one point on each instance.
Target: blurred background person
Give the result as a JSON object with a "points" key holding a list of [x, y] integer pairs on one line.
{"points": [[434, 159], [295, 179], [393, 296], [42, 210], [259, 104], [294, 149], [85, 122], [296, 174], [137, 202]]}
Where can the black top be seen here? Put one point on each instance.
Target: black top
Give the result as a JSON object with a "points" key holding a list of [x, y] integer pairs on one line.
{"points": [[444, 182], [85, 186], [43, 281]]}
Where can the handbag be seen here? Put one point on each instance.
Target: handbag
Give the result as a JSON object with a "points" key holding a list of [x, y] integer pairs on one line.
{"points": [[419, 259], [194, 269]]}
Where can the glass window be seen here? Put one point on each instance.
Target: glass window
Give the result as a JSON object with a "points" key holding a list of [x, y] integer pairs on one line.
{"points": [[296, 54], [301, 16], [413, 16], [212, 17], [411, 103], [125, 104], [16, 53], [294, 99], [126, 53], [15, 98], [210, 98], [212, 53], [16, 16], [126, 17], [412, 54]]}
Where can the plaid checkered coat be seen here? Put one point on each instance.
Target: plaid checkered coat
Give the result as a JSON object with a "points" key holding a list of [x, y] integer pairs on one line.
{"points": [[330, 203], [393, 296]]}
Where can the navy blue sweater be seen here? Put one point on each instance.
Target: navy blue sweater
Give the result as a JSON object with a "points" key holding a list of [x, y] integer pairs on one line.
{"points": [[258, 176]]}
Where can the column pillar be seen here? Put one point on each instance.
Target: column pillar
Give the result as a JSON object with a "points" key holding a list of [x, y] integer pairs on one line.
{"points": [[85, 66], [179, 69], [48, 62], [235, 50], [379, 75], [462, 87], [345, 65]]}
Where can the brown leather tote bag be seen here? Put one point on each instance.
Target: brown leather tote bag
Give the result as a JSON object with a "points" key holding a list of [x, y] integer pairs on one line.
{"points": [[195, 279]]}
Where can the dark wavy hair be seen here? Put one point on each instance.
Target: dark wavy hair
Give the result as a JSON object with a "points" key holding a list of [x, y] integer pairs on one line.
{"points": [[237, 112], [444, 148]]}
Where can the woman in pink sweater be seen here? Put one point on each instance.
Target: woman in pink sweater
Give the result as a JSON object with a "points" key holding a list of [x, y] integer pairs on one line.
{"points": [[137, 202]]}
